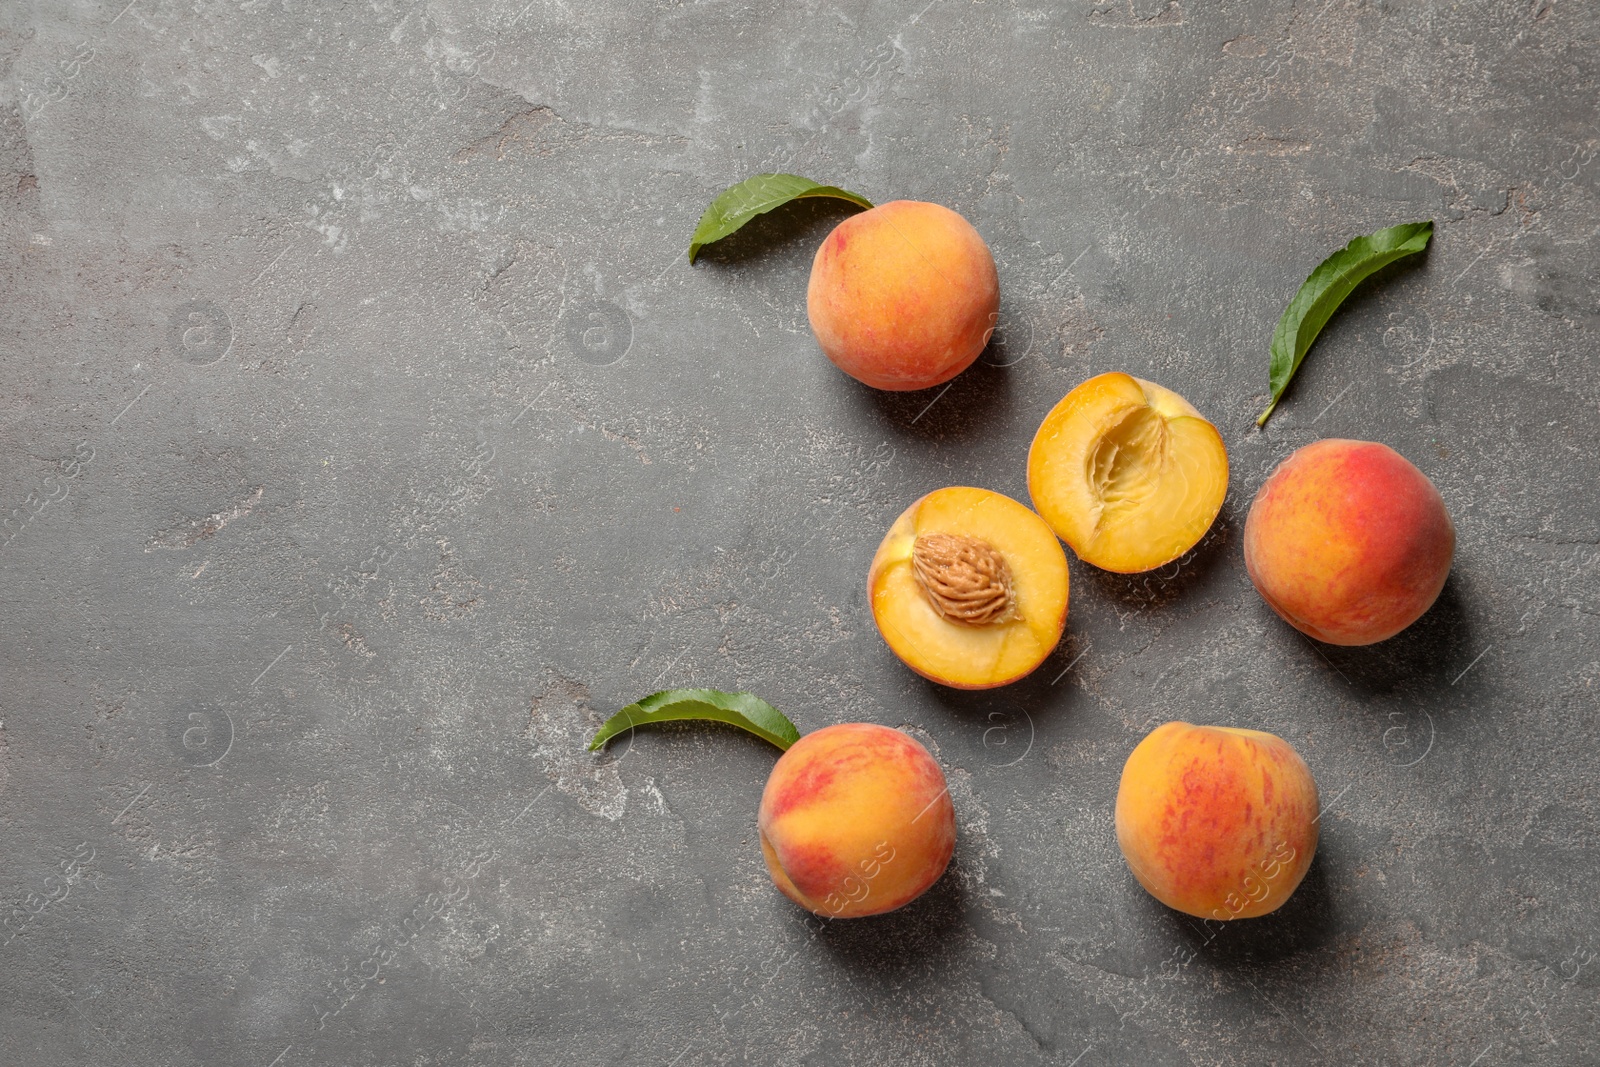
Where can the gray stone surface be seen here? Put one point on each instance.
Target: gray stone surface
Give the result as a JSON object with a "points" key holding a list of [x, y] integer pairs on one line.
{"points": [[370, 440]]}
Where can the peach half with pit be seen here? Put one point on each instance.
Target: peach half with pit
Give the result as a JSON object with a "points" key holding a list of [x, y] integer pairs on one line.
{"points": [[1348, 542], [1127, 473], [1216, 821], [903, 296], [969, 588], [856, 820]]}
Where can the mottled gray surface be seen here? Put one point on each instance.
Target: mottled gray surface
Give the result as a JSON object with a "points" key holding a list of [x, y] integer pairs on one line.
{"points": [[371, 440]]}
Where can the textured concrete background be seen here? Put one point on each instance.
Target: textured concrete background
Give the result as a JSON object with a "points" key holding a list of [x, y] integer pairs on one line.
{"points": [[366, 440]]}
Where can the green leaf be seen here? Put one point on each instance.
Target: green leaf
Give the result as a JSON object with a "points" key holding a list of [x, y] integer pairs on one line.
{"points": [[1322, 293], [756, 196], [745, 710]]}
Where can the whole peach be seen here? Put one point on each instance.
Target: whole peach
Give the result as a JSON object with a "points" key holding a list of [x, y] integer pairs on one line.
{"points": [[903, 296], [856, 820], [1348, 542], [1216, 821]]}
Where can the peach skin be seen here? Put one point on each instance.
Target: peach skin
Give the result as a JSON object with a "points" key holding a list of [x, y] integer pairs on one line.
{"points": [[856, 820], [903, 296], [1348, 542], [1215, 821]]}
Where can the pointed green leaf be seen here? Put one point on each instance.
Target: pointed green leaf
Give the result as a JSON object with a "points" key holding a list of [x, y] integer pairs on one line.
{"points": [[1322, 293], [739, 204], [745, 710]]}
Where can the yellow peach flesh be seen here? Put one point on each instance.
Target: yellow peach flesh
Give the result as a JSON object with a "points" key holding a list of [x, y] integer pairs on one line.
{"points": [[1127, 473], [959, 654]]}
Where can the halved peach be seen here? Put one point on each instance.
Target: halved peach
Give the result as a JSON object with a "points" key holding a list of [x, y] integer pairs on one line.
{"points": [[1127, 473], [969, 588]]}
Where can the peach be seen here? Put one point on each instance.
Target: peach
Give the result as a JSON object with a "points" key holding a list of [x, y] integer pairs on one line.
{"points": [[1216, 821], [969, 588], [1127, 473], [856, 820], [903, 296], [1348, 542]]}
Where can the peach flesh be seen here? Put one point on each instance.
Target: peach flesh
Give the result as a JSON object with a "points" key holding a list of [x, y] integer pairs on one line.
{"points": [[1128, 473], [856, 820], [1348, 542], [903, 296], [1216, 821], [959, 654]]}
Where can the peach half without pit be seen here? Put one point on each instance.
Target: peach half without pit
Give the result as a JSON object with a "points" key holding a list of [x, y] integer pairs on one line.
{"points": [[969, 588], [903, 296], [856, 820], [1127, 473], [1348, 542], [1215, 821]]}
